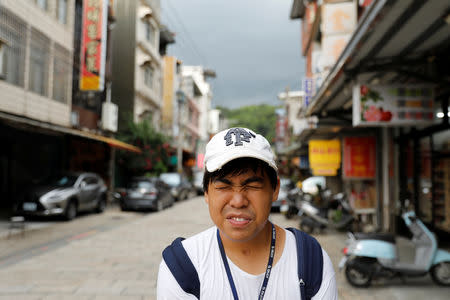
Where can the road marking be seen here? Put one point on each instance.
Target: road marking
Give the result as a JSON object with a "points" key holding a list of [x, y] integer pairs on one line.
{"points": [[82, 235]]}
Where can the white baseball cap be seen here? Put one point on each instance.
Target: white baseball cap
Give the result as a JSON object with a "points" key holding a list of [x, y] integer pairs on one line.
{"points": [[233, 143]]}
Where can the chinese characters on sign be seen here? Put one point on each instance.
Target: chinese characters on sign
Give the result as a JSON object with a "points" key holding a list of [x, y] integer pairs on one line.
{"points": [[359, 157], [325, 157], [93, 45]]}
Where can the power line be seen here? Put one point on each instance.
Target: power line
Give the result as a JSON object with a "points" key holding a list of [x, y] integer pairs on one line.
{"points": [[186, 32]]}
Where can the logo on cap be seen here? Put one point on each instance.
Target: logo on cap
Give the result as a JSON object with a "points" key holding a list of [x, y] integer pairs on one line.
{"points": [[240, 134]]}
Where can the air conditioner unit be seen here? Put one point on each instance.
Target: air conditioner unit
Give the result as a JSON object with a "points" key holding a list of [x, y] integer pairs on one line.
{"points": [[110, 114]]}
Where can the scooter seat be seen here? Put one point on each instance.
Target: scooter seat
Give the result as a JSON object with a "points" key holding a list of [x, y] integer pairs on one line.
{"points": [[387, 237]]}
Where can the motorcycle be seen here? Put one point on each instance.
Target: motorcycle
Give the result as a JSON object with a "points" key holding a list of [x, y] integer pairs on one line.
{"points": [[289, 206], [336, 213], [374, 256]]}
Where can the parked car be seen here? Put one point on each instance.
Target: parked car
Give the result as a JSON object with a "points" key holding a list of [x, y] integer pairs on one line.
{"points": [[144, 193], [66, 195], [198, 182], [285, 186], [181, 188]]}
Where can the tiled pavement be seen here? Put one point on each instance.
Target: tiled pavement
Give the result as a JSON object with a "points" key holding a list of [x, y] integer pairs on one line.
{"points": [[122, 263]]}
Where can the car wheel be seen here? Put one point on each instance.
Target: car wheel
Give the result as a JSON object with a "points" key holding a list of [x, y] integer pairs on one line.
{"points": [[159, 206], [101, 205], [71, 211]]}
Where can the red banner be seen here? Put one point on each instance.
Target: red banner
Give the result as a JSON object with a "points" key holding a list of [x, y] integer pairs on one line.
{"points": [[93, 45], [359, 157]]}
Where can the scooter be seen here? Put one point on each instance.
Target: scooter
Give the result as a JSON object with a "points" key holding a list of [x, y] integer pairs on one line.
{"points": [[336, 214], [374, 256]]}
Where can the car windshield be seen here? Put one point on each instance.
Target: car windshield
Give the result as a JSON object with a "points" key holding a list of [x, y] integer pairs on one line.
{"points": [[141, 185], [171, 178], [64, 181]]}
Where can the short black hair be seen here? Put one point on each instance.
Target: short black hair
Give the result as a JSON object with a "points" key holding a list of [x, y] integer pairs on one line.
{"points": [[239, 166]]}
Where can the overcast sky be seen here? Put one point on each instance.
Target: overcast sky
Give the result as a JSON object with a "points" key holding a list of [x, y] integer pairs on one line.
{"points": [[251, 44]]}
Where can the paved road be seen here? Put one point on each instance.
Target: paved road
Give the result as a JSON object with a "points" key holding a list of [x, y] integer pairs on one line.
{"points": [[121, 261]]}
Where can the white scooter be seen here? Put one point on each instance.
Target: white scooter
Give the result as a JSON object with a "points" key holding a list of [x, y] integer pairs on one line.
{"points": [[373, 256]]}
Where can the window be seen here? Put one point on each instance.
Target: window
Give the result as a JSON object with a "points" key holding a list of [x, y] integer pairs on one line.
{"points": [[42, 4], [61, 72], [12, 48], [39, 62], [2, 54], [148, 75], [62, 11]]}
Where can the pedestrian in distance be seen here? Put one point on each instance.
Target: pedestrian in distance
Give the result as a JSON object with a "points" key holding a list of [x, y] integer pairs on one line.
{"points": [[244, 255]]}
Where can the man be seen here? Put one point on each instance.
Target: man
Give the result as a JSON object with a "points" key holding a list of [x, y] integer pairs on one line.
{"points": [[244, 256]]}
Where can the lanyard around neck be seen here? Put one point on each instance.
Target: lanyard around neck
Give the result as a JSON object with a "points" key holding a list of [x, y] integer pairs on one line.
{"points": [[268, 269]]}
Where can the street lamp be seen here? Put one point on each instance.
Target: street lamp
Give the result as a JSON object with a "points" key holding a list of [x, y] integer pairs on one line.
{"points": [[180, 101]]}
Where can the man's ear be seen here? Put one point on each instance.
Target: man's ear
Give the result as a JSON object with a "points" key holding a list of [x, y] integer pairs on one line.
{"points": [[206, 197]]}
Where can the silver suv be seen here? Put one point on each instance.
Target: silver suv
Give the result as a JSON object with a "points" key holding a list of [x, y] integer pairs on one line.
{"points": [[65, 195]]}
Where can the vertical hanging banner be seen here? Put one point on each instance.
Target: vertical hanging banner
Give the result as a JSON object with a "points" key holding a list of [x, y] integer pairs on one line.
{"points": [[325, 157], [93, 45], [359, 157]]}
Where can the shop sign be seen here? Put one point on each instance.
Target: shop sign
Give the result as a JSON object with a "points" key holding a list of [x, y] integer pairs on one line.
{"points": [[359, 157], [93, 45], [393, 105], [325, 157]]}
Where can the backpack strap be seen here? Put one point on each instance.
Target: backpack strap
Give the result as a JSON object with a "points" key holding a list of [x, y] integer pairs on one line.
{"points": [[309, 263], [179, 263]]}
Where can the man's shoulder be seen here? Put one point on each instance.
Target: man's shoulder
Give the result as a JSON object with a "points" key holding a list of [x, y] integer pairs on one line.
{"points": [[200, 243]]}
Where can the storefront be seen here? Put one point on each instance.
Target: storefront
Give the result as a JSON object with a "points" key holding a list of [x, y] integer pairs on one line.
{"points": [[397, 44], [34, 151]]}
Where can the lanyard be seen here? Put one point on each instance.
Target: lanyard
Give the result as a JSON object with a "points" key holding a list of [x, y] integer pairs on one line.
{"points": [[268, 269]]}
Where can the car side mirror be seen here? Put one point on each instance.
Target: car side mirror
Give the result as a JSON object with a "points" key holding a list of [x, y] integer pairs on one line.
{"points": [[83, 184]]}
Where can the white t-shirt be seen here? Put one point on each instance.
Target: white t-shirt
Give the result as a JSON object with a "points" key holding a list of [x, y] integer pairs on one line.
{"points": [[203, 250]]}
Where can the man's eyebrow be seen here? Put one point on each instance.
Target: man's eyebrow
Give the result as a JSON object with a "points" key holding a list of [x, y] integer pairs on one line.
{"points": [[253, 179], [223, 180]]}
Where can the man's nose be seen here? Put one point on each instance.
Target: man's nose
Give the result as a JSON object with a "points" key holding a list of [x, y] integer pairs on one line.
{"points": [[238, 199]]}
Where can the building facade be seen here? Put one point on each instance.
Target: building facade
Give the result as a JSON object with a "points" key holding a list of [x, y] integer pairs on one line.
{"points": [[137, 65]]}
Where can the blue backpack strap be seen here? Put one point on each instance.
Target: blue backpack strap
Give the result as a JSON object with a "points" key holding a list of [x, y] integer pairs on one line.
{"points": [[179, 263], [310, 263]]}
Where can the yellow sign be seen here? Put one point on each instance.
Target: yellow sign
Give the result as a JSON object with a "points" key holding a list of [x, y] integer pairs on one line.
{"points": [[325, 157]]}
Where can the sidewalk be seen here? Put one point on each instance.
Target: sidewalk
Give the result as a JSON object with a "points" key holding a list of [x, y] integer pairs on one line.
{"points": [[122, 263]]}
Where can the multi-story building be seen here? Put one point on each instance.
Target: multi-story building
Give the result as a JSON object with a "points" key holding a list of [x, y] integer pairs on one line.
{"points": [[198, 107], [137, 64], [36, 46], [376, 83], [47, 125]]}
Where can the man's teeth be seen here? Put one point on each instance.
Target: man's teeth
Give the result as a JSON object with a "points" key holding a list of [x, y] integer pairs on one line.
{"points": [[239, 219]]}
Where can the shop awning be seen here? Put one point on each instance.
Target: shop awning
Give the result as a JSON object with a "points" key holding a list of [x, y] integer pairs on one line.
{"points": [[52, 127], [110, 141], [395, 42]]}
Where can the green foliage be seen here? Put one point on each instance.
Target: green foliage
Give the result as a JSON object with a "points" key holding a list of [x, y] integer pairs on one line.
{"points": [[154, 158], [260, 118]]}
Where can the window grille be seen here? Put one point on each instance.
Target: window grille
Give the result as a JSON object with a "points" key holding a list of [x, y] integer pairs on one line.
{"points": [[39, 63], [13, 33], [61, 73]]}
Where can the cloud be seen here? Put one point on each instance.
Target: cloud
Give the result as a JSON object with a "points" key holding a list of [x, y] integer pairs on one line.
{"points": [[252, 45]]}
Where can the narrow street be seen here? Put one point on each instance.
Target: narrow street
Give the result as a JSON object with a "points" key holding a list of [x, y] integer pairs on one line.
{"points": [[116, 256]]}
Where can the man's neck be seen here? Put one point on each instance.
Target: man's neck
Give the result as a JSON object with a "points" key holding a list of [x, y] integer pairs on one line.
{"points": [[252, 255]]}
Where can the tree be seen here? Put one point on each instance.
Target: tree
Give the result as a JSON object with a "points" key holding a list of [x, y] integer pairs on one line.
{"points": [[154, 158], [260, 118]]}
